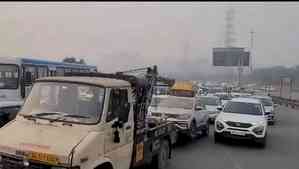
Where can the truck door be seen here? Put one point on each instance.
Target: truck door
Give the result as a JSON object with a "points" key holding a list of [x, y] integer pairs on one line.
{"points": [[119, 109]]}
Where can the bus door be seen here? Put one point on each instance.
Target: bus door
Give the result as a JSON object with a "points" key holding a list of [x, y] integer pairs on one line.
{"points": [[29, 74]]}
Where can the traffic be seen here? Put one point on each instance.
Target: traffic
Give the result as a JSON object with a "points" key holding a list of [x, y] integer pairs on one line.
{"points": [[142, 85], [121, 120]]}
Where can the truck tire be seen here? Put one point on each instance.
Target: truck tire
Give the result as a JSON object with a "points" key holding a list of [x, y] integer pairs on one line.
{"points": [[163, 156], [104, 166]]}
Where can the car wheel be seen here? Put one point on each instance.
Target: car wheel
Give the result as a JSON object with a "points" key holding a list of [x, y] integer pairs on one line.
{"points": [[262, 142], [217, 138], [206, 129], [193, 130], [163, 156], [271, 122]]}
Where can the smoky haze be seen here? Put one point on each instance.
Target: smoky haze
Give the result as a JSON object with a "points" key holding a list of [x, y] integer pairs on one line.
{"points": [[178, 37]]}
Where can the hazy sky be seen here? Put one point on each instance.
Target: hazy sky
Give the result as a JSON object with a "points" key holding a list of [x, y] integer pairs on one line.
{"points": [[118, 35]]}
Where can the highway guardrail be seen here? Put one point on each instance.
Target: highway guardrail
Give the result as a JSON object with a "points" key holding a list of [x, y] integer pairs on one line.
{"points": [[286, 102]]}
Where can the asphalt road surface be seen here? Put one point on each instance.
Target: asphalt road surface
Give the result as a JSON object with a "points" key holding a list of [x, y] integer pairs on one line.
{"points": [[281, 151]]}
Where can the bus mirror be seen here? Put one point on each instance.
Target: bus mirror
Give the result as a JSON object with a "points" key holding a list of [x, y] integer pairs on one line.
{"points": [[28, 77]]}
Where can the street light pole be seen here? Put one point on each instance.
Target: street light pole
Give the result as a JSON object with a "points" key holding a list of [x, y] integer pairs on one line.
{"points": [[251, 51]]}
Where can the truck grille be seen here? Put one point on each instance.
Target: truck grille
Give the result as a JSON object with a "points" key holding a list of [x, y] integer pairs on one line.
{"points": [[238, 124], [14, 163], [171, 115]]}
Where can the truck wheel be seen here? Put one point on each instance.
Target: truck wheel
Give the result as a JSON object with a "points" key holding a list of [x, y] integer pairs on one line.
{"points": [[163, 156]]}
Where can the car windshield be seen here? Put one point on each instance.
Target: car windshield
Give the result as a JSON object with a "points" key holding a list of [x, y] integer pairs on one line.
{"points": [[76, 102], [171, 102], [243, 108], [9, 76], [209, 101]]}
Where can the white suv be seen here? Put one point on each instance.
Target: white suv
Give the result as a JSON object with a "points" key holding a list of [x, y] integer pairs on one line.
{"points": [[242, 118]]}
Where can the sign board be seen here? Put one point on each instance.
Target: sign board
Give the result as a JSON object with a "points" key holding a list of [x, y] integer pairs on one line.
{"points": [[230, 57]]}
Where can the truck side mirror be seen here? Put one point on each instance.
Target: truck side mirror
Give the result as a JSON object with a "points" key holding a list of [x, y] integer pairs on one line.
{"points": [[220, 108]]}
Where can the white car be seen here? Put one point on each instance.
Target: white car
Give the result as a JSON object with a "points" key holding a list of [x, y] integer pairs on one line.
{"points": [[269, 107], [242, 118], [189, 118], [212, 104]]}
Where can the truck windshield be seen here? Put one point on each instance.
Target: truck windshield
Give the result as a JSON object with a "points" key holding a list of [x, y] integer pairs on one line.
{"points": [[9, 76], [243, 108], [69, 102], [170, 102]]}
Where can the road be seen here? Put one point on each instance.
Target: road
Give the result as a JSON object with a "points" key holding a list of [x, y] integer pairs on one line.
{"points": [[281, 152]]}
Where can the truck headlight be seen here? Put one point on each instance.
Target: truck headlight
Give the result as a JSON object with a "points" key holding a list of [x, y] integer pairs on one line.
{"points": [[258, 130], [219, 125]]}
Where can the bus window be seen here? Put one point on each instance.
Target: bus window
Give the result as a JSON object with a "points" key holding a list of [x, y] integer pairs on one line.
{"points": [[75, 70], [42, 72], [67, 70], [9, 76], [60, 72]]}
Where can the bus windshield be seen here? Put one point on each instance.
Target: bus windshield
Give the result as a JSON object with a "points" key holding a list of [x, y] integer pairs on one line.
{"points": [[9, 76]]}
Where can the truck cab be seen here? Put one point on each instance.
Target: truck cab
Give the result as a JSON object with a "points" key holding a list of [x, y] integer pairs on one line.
{"points": [[79, 123]]}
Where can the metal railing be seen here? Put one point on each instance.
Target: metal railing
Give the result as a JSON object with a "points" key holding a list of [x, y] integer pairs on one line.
{"points": [[286, 102]]}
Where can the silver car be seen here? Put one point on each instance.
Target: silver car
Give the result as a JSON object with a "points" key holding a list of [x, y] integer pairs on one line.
{"points": [[188, 116], [212, 105]]}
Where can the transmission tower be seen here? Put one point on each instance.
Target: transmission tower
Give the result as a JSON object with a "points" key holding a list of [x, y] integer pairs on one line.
{"points": [[230, 40], [230, 30]]}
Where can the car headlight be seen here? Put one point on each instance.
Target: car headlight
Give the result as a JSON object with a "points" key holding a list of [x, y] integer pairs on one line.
{"points": [[258, 130], [219, 125], [184, 116]]}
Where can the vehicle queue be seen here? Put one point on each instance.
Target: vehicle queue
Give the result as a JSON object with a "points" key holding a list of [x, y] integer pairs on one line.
{"points": [[235, 115], [181, 111]]}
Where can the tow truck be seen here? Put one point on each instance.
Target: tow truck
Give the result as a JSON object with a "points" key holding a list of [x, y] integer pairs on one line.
{"points": [[88, 121]]}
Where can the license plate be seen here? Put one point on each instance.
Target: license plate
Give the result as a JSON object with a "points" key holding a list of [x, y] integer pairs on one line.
{"points": [[239, 133], [139, 152], [48, 158]]}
